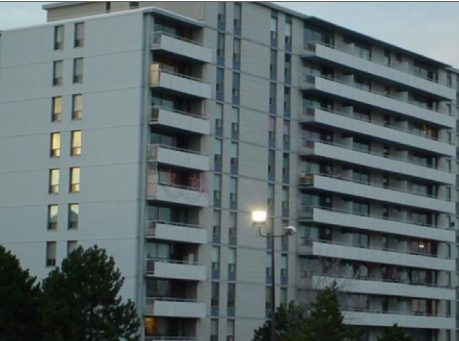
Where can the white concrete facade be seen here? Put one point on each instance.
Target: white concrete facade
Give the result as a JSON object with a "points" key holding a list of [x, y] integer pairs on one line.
{"points": [[192, 116]]}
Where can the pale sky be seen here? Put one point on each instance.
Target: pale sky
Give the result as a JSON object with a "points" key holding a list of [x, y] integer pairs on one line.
{"points": [[429, 28]]}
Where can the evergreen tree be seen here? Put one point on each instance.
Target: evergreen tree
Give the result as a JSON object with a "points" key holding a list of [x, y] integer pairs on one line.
{"points": [[81, 301], [19, 301], [326, 323], [394, 333], [290, 320]]}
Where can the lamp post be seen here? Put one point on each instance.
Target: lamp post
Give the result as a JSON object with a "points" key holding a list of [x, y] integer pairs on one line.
{"points": [[259, 219]]}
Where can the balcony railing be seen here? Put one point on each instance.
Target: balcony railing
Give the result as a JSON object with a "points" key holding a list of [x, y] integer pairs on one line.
{"points": [[309, 241], [309, 143], [311, 80], [150, 263], [395, 312], [307, 211], [151, 300], [155, 76], [374, 279], [152, 150], [151, 226], [310, 46], [157, 36], [308, 179], [156, 109], [171, 338], [309, 111]]}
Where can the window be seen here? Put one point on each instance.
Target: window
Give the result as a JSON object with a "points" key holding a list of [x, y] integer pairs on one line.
{"points": [[273, 61], [272, 128], [57, 73], [274, 28], [270, 203], [234, 154], [449, 79], [271, 161], [79, 35], [283, 296], [219, 116], [230, 330], [54, 181], [286, 98], [288, 30], [215, 259], [217, 186], [236, 48], [387, 57], [59, 37], [221, 11], [233, 189], [73, 215], [220, 45], [55, 145], [235, 120], [361, 176], [286, 131], [71, 246], [237, 15], [361, 48], [218, 147], [231, 295], [220, 80], [272, 94], [213, 329], [50, 253], [288, 65], [362, 83], [78, 70], [216, 227], [236, 84], [56, 113], [362, 114], [77, 107], [285, 198], [232, 230], [53, 211], [108, 7], [133, 5], [425, 71], [285, 164], [268, 299], [76, 143], [360, 207], [231, 260], [284, 265], [74, 180], [361, 145]]}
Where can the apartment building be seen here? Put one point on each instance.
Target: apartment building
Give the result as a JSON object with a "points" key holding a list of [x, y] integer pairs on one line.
{"points": [[154, 129]]}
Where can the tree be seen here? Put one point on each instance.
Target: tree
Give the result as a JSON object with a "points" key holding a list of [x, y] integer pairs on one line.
{"points": [[326, 323], [81, 301], [19, 301], [394, 333], [290, 320]]}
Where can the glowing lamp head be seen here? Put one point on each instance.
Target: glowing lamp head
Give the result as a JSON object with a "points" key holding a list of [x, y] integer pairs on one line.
{"points": [[259, 217]]}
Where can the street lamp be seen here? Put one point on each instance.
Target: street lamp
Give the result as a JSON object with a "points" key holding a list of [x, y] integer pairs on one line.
{"points": [[259, 219]]}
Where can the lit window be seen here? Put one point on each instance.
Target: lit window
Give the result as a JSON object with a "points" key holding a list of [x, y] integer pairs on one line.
{"points": [[56, 113], [77, 107], [79, 35], [75, 180], [50, 253], [73, 215], [54, 181], [59, 37], [57, 73], [78, 70], [76, 143], [55, 144], [53, 211], [71, 246]]}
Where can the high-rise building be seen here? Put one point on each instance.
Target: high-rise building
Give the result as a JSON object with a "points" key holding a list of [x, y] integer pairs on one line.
{"points": [[153, 129]]}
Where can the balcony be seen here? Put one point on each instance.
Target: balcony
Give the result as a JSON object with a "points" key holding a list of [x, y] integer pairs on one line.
{"points": [[171, 269], [374, 223], [170, 307], [348, 91], [179, 120], [362, 254], [373, 191], [346, 122], [178, 84], [391, 164], [183, 158], [176, 232], [184, 49], [381, 287], [403, 319], [184, 195], [396, 73]]}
